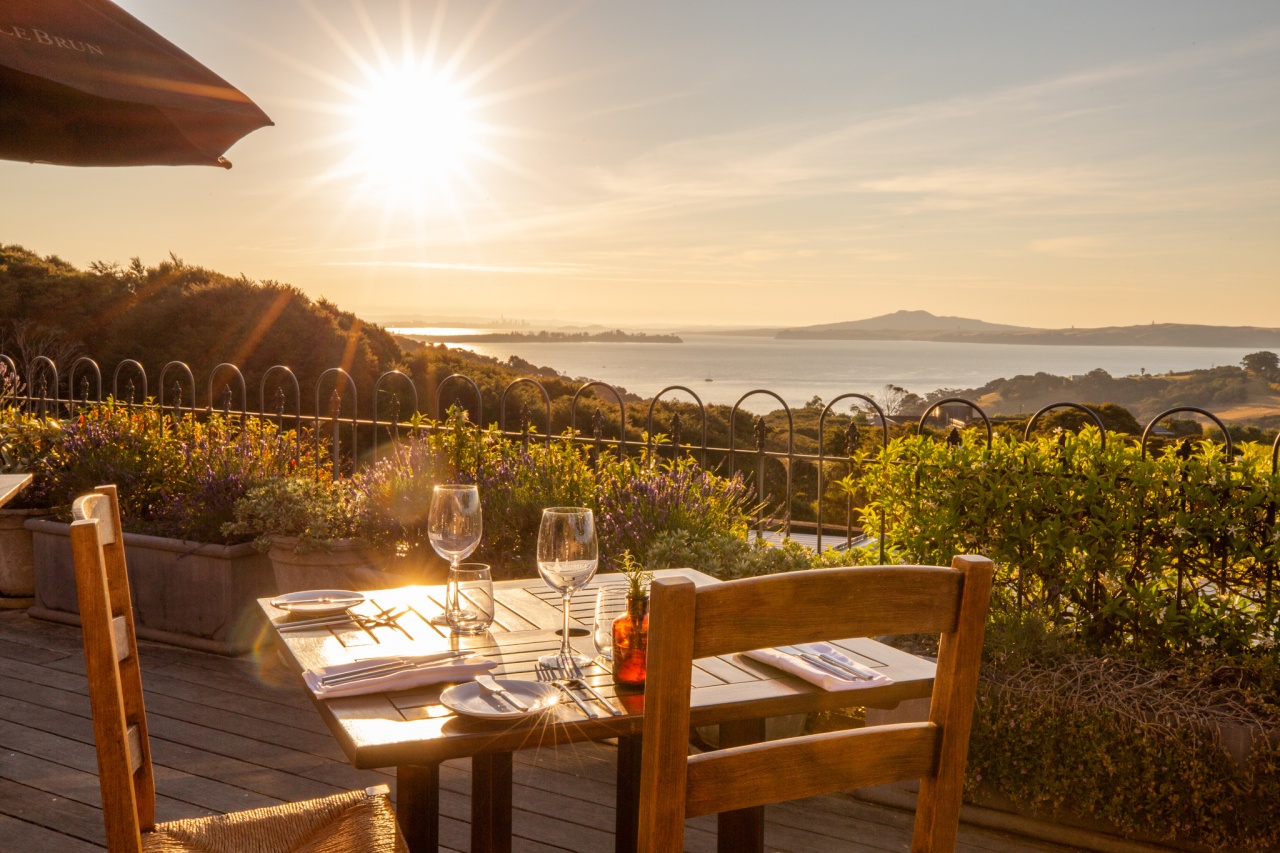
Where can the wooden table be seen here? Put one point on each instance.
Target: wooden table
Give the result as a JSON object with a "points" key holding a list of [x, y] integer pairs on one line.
{"points": [[413, 732], [11, 484]]}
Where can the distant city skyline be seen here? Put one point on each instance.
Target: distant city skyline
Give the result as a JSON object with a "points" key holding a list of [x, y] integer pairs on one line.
{"points": [[725, 163]]}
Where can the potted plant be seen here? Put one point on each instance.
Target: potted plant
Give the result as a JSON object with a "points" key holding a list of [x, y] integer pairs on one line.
{"points": [[309, 529], [25, 440], [178, 482]]}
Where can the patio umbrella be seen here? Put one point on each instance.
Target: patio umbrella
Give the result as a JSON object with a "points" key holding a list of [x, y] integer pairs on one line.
{"points": [[84, 83]]}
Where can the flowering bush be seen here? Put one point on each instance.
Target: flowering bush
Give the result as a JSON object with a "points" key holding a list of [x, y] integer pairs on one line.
{"points": [[179, 478], [25, 441], [634, 502]]}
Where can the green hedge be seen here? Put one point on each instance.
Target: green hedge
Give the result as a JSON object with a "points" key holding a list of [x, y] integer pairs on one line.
{"points": [[1161, 554]]}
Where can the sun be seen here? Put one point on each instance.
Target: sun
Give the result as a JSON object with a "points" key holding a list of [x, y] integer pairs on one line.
{"points": [[412, 122], [412, 130]]}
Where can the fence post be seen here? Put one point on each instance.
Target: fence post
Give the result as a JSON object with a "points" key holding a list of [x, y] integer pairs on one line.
{"points": [[762, 431], [335, 406]]}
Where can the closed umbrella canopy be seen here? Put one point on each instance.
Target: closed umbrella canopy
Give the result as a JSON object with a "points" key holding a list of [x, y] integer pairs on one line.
{"points": [[84, 83]]}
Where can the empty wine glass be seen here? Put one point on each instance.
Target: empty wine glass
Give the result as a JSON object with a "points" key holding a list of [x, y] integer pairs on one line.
{"points": [[454, 525], [567, 558], [455, 521]]}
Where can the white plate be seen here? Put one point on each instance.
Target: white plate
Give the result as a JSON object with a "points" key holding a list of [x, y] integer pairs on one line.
{"points": [[470, 699], [318, 602]]}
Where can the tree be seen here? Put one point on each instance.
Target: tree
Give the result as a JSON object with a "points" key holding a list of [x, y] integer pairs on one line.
{"points": [[1263, 363], [892, 398]]}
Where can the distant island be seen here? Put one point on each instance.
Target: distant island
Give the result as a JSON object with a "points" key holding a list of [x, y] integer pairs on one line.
{"points": [[614, 336], [923, 326]]}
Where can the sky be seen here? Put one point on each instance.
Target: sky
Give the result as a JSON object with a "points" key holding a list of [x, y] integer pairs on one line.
{"points": [[729, 162]]}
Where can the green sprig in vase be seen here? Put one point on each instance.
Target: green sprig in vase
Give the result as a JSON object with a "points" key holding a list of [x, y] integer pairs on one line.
{"points": [[631, 629]]}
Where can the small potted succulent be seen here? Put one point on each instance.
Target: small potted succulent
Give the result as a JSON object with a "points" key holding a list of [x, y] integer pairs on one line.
{"points": [[631, 629]]}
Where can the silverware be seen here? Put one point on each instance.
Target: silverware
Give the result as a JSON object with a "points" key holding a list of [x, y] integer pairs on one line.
{"points": [[488, 684], [389, 666], [308, 624], [547, 675], [383, 619], [835, 661], [576, 679], [817, 662]]}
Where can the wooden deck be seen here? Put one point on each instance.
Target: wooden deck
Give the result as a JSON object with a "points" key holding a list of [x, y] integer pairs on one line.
{"points": [[231, 734]]}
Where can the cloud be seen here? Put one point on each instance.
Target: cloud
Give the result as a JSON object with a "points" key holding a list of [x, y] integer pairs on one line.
{"points": [[1067, 246], [539, 269]]}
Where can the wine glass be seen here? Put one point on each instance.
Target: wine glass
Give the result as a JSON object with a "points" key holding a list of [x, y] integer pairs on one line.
{"points": [[567, 558], [455, 521], [454, 524]]}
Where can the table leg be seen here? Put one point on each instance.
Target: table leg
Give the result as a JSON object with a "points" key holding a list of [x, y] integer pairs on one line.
{"points": [[491, 802], [741, 830], [418, 806], [627, 812]]}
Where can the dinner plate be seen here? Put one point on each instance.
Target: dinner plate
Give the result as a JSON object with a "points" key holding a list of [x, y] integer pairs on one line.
{"points": [[318, 602], [472, 700]]}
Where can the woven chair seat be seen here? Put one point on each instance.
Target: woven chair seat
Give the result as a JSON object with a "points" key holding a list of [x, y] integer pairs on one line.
{"points": [[354, 822]]}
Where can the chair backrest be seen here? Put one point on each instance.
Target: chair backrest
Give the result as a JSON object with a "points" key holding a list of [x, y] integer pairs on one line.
{"points": [[115, 678], [686, 623]]}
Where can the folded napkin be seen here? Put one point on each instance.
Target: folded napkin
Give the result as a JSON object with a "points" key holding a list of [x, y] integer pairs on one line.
{"points": [[801, 668], [427, 671]]}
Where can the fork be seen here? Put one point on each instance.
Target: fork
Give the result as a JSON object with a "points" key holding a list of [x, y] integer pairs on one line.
{"points": [[572, 675], [548, 675]]}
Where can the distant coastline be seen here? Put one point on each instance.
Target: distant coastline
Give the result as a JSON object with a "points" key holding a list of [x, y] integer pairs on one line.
{"points": [[1162, 335], [615, 336], [923, 326]]}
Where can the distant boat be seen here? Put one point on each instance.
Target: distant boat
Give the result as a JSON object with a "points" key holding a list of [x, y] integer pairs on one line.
{"points": [[709, 379]]}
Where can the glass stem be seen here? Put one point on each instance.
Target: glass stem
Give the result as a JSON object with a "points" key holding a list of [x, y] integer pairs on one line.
{"points": [[564, 638]]}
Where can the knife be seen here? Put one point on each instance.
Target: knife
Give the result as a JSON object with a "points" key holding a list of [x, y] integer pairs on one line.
{"points": [[489, 685]]}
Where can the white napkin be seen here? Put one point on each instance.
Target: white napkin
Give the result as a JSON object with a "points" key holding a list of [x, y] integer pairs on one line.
{"points": [[815, 675], [431, 672]]}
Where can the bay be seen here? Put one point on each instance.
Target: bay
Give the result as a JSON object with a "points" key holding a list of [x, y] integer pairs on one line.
{"points": [[798, 370]]}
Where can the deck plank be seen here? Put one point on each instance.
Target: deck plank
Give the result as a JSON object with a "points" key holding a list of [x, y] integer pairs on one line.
{"points": [[232, 734]]}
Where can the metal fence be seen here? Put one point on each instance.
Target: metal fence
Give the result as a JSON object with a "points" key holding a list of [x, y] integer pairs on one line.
{"points": [[773, 472]]}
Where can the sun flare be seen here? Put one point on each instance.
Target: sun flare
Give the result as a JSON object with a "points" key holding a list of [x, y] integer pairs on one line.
{"points": [[412, 132], [410, 124]]}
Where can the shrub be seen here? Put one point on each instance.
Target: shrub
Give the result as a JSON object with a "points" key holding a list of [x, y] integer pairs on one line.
{"points": [[1111, 739], [312, 510], [1158, 554], [25, 442], [176, 477]]}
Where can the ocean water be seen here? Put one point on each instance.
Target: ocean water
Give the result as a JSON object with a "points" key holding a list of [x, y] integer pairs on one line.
{"points": [[799, 370]]}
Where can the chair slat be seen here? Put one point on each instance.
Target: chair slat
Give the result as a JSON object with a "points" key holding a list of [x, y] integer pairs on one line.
{"points": [[756, 775], [120, 638], [134, 739], [802, 607]]}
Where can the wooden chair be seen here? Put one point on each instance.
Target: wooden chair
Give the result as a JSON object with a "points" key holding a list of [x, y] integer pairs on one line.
{"points": [[687, 623], [355, 821]]}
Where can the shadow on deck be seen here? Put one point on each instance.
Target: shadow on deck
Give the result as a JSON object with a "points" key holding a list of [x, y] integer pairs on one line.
{"points": [[232, 734]]}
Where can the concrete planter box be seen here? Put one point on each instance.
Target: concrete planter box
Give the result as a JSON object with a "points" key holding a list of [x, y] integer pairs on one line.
{"points": [[17, 566], [186, 593], [344, 564]]}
